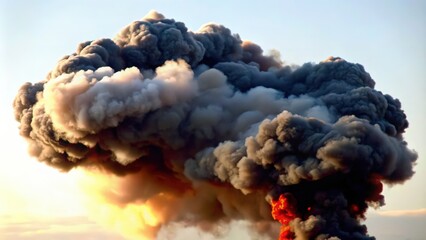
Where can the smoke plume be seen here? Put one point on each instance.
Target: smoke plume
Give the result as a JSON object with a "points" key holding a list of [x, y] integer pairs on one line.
{"points": [[202, 128]]}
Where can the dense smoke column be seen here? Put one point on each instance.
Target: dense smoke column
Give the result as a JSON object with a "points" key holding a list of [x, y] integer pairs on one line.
{"points": [[207, 124]]}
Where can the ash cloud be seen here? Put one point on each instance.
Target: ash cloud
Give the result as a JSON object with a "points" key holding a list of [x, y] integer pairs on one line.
{"points": [[208, 125]]}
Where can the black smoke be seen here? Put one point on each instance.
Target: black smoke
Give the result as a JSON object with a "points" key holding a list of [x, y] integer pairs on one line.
{"points": [[223, 128]]}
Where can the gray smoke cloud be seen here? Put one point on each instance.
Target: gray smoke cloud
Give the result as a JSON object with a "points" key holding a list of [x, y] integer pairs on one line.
{"points": [[209, 119]]}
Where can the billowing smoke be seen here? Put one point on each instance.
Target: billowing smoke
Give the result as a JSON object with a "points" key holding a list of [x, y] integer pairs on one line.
{"points": [[204, 128]]}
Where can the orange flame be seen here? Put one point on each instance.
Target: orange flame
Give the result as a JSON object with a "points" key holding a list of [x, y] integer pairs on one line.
{"points": [[284, 213]]}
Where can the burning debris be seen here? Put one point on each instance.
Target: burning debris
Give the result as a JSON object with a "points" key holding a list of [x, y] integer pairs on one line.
{"points": [[202, 128]]}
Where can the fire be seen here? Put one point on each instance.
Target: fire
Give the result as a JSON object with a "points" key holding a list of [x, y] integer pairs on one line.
{"points": [[148, 215], [134, 220], [284, 213]]}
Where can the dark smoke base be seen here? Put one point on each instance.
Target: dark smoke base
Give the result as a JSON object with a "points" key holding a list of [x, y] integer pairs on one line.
{"points": [[208, 119]]}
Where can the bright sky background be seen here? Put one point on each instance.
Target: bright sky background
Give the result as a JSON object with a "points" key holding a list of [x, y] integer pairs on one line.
{"points": [[387, 37]]}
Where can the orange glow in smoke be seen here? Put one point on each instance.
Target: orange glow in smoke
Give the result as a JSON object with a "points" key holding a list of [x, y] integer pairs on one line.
{"points": [[132, 219], [283, 213]]}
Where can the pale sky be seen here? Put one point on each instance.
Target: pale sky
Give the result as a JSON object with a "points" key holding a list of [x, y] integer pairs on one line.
{"points": [[387, 37]]}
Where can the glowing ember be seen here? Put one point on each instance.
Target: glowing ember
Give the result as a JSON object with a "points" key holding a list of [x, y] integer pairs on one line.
{"points": [[355, 209], [284, 213]]}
